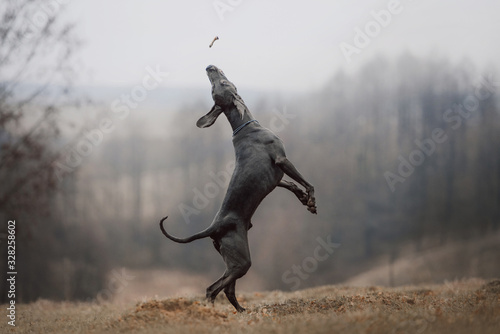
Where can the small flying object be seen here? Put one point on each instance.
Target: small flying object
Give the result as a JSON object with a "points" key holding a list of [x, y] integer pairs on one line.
{"points": [[215, 38]]}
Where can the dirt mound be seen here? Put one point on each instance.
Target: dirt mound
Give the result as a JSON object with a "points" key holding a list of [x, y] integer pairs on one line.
{"points": [[459, 307], [304, 306], [492, 287], [176, 310], [340, 303]]}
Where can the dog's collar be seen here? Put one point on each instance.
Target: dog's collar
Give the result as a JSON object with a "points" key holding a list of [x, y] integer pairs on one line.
{"points": [[238, 129]]}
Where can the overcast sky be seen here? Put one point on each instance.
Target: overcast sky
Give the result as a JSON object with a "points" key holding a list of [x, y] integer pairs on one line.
{"points": [[274, 44]]}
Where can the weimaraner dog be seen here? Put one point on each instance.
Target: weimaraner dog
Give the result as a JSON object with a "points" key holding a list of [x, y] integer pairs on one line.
{"points": [[260, 165]]}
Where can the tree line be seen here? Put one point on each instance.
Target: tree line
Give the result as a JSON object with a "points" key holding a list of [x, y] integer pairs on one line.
{"points": [[403, 154]]}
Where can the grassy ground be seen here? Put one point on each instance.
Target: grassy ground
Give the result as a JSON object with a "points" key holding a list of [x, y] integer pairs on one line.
{"points": [[469, 306]]}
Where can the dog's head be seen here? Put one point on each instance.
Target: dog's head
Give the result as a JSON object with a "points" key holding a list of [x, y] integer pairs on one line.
{"points": [[224, 94]]}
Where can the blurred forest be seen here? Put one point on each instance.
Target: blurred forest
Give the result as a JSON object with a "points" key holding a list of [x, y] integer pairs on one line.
{"points": [[38, 66], [404, 155]]}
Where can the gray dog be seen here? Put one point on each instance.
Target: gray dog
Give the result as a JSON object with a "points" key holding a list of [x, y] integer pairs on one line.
{"points": [[260, 166]]}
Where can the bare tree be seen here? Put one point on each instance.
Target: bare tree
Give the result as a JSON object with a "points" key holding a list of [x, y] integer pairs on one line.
{"points": [[37, 68]]}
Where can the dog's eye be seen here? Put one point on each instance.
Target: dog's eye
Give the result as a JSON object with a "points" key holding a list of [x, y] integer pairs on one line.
{"points": [[224, 83]]}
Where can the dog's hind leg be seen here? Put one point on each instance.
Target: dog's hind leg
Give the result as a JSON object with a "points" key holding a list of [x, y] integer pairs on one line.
{"points": [[230, 292], [236, 255], [215, 287]]}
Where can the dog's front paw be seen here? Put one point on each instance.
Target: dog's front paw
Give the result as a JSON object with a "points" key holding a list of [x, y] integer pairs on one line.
{"points": [[302, 196], [311, 202]]}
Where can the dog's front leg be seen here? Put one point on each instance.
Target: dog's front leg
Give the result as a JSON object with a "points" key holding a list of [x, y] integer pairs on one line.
{"points": [[289, 169], [301, 195]]}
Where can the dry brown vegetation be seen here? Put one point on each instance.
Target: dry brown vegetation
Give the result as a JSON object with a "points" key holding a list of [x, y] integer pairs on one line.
{"points": [[467, 306]]}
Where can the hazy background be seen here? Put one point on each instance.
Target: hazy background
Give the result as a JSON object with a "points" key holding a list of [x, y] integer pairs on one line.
{"points": [[401, 139], [270, 45]]}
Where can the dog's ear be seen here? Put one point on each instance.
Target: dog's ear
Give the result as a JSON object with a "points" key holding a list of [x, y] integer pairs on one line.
{"points": [[209, 118], [239, 104]]}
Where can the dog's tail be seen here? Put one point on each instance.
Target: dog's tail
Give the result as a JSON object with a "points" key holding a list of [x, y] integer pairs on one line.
{"points": [[200, 235]]}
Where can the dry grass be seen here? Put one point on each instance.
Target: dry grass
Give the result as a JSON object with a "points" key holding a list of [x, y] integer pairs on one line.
{"points": [[469, 306]]}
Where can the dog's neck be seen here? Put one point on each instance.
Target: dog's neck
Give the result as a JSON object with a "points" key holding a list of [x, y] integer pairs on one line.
{"points": [[234, 118]]}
